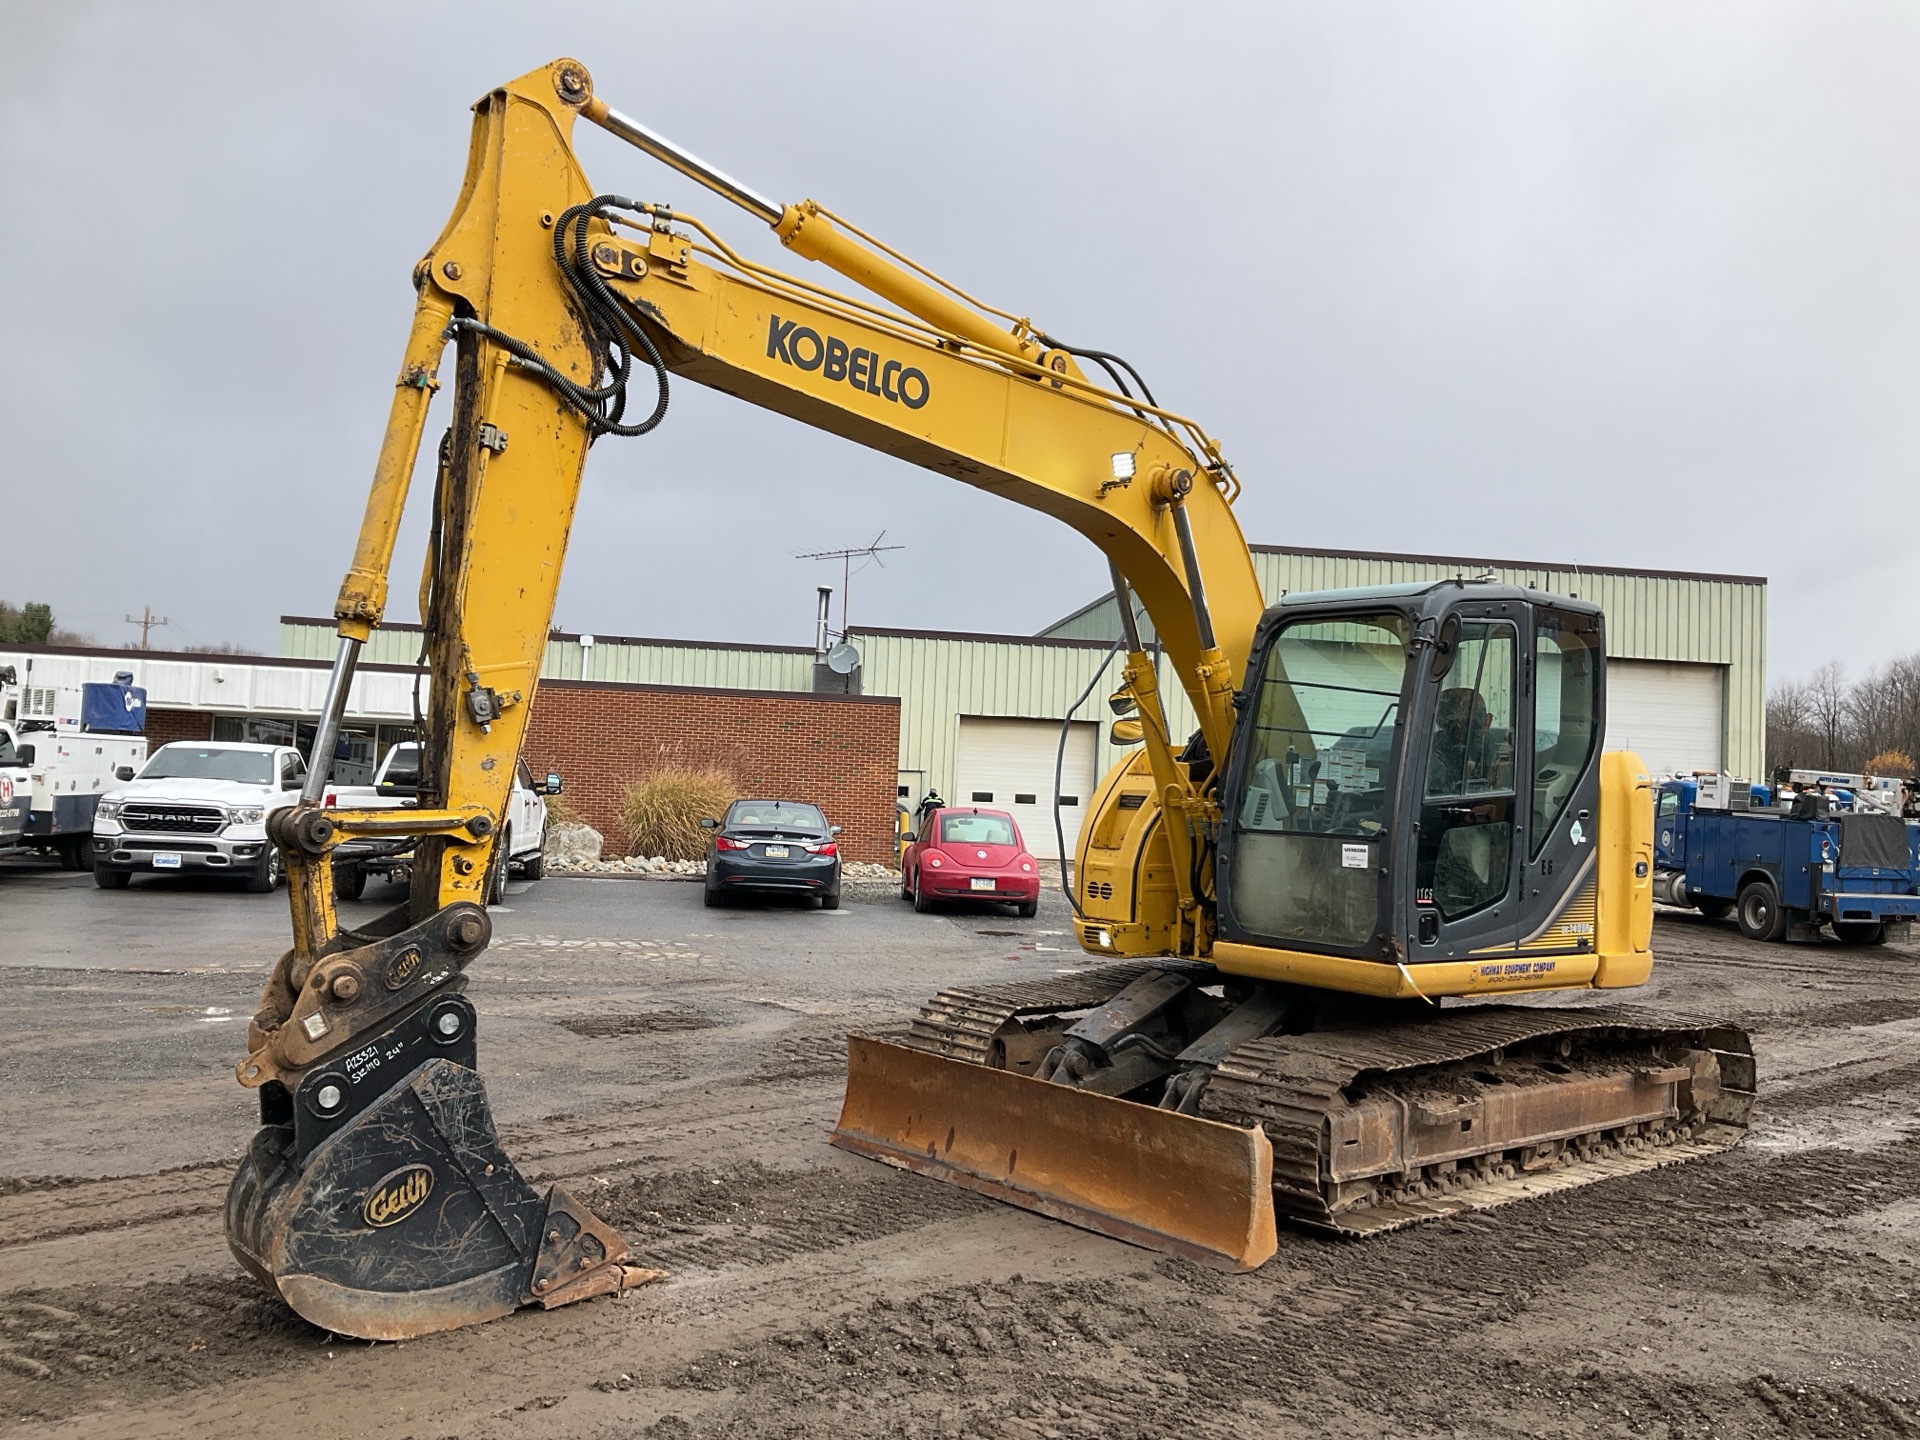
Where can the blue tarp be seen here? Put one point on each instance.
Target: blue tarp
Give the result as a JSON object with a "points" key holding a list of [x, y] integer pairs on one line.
{"points": [[113, 709]]}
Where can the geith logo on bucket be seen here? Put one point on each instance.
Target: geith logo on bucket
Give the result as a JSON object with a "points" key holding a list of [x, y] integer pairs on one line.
{"points": [[398, 1196], [801, 347], [402, 968]]}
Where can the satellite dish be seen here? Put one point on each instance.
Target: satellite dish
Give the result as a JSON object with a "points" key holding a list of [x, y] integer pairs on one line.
{"points": [[843, 659]]}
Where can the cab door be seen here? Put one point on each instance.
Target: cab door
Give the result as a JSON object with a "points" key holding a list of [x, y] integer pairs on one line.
{"points": [[1561, 719], [1468, 837]]}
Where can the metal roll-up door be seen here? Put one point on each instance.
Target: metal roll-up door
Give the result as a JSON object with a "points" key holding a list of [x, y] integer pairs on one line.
{"points": [[1672, 715], [1008, 765]]}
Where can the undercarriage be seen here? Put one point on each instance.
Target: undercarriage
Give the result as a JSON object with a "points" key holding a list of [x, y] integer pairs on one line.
{"points": [[1375, 1114]]}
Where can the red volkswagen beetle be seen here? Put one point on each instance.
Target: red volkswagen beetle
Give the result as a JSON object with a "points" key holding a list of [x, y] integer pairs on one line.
{"points": [[966, 853]]}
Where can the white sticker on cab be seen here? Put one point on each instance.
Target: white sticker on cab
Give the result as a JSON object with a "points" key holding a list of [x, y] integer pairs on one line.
{"points": [[1353, 857]]}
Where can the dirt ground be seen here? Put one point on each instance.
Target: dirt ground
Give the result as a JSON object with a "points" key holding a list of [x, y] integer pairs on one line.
{"points": [[680, 1069]]}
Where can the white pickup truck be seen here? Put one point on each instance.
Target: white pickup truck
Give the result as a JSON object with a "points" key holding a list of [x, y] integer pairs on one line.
{"points": [[396, 784], [198, 807]]}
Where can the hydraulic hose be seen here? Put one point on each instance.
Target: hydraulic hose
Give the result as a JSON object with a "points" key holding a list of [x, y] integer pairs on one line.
{"points": [[612, 332]]}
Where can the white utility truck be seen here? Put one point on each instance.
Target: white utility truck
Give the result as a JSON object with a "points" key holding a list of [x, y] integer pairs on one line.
{"points": [[61, 748], [396, 784], [197, 806]]}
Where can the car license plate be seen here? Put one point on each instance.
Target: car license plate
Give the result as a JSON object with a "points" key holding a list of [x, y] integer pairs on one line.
{"points": [[776, 852], [166, 860], [986, 884]]}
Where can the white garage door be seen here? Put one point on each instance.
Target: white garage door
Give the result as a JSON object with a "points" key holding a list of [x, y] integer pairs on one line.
{"points": [[1008, 764], [1671, 715]]}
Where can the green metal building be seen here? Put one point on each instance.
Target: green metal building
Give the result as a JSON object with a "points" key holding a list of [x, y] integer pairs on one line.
{"points": [[980, 715]]}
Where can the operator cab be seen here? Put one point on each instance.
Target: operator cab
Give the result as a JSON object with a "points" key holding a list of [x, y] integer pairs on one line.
{"points": [[1449, 731]]}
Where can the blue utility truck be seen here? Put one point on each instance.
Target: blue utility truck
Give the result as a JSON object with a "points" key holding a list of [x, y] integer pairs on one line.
{"points": [[1723, 846]]}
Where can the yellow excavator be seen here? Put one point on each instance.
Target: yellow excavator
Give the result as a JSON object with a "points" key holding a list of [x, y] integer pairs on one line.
{"points": [[1395, 807]]}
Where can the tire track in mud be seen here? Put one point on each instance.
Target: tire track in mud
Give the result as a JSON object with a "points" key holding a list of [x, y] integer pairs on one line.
{"points": [[1181, 1350], [1189, 1351], [750, 1215], [50, 1207], [567, 1148], [1138, 1358], [61, 1351], [1011, 1358]]}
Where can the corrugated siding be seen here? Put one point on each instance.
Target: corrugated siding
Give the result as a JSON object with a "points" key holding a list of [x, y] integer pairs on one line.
{"points": [[302, 641], [723, 667], [940, 679], [632, 662], [1649, 617]]}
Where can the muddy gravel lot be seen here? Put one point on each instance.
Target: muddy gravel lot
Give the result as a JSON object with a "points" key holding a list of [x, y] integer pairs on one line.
{"points": [[680, 1069]]}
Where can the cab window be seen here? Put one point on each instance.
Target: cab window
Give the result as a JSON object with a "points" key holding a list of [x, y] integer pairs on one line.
{"points": [[1467, 816], [1566, 715], [1310, 833]]}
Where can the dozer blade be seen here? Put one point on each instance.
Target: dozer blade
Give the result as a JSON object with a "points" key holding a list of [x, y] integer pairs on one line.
{"points": [[1155, 1178], [405, 1217]]}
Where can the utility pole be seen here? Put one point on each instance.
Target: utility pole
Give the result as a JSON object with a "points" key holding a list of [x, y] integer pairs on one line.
{"points": [[146, 620], [871, 551]]}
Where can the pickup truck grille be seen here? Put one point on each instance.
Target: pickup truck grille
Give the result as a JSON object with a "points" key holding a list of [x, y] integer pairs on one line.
{"points": [[175, 819]]}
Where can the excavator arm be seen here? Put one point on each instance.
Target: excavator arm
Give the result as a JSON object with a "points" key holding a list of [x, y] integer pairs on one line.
{"points": [[375, 1198]]}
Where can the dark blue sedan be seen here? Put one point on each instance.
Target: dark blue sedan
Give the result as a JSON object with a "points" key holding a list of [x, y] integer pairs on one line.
{"points": [[774, 847]]}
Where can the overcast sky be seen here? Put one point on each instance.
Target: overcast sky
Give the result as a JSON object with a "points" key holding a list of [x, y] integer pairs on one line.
{"points": [[1621, 284]]}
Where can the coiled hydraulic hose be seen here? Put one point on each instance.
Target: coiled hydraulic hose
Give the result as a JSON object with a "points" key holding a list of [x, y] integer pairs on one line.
{"points": [[612, 333]]}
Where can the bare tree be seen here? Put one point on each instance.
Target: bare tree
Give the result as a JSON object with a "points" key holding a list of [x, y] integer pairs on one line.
{"points": [[1827, 699], [1789, 724], [1826, 723]]}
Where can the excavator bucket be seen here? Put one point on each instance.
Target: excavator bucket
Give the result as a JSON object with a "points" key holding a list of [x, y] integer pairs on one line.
{"points": [[1151, 1177], [379, 1204]]}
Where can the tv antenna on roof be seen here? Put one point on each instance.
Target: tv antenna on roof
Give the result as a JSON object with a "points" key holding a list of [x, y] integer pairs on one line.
{"points": [[872, 550]]}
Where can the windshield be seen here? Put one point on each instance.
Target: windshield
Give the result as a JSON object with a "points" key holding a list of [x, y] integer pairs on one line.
{"points": [[209, 762], [784, 814], [1324, 718], [403, 767], [976, 830], [1312, 817]]}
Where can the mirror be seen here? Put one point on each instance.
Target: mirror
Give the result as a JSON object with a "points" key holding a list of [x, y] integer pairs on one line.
{"points": [[23, 755], [1446, 646], [1126, 732], [125, 772], [553, 783], [833, 829], [707, 822]]}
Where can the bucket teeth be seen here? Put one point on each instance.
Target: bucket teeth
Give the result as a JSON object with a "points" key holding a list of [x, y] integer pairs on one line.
{"points": [[580, 1256]]}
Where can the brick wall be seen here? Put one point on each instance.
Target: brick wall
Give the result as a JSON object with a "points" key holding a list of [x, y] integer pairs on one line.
{"points": [[841, 752], [165, 725]]}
